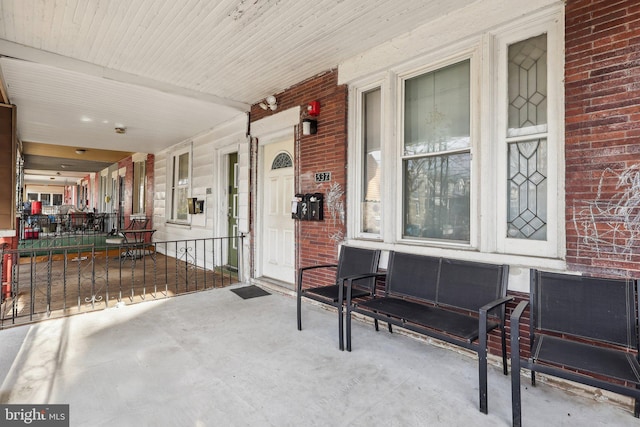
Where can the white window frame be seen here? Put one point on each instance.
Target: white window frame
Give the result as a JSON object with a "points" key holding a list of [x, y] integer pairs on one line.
{"points": [[139, 192], [356, 172], [487, 54], [471, 54], [553, 246], [171, 160]]}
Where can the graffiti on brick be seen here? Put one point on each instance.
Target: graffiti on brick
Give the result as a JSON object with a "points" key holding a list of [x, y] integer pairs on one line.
{"points": [[610, 226], [335, 207]]}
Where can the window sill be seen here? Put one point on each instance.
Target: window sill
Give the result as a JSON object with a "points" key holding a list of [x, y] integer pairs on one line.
{"points": [[176, 224]]}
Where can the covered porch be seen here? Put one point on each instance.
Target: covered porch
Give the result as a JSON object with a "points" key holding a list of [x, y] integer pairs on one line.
{"points": [[213, 358]]}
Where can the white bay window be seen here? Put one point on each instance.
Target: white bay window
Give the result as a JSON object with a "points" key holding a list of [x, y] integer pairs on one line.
{"points": [[469, 148]]}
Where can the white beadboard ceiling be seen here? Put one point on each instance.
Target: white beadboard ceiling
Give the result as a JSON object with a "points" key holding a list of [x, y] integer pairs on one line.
{"points": [[171, 69]]}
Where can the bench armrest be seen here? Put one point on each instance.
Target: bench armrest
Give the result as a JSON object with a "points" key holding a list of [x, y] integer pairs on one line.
{"points": [[517, 313], [483, 315], [515, 333], [311, 267], [493, 304], [351, 279]]}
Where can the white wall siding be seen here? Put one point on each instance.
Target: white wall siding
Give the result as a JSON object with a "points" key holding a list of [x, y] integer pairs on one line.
{"points": [[206, 183]]}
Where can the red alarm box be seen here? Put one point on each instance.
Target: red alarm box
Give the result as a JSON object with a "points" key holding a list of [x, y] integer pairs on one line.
{"points": [[314, 108]]}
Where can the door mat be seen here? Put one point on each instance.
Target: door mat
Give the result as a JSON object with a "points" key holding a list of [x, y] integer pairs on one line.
{"points": [[251, 291]]}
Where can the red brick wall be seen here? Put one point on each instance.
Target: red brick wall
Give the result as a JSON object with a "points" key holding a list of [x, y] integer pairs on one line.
{"points": [[602, 120], [317, 242], [128, 188]]}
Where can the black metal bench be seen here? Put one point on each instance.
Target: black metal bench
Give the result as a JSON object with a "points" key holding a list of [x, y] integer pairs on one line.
{"points": [[455, 301], [351, 261], [583, 329]]}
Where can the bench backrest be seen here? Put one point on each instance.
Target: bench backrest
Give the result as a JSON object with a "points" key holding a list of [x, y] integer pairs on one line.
{"points": [[455, 283], [587, 307], [413, 275], [470, 285], [354, 261]]}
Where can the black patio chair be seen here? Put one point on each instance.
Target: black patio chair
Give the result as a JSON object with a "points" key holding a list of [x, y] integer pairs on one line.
{"points": [[582, 329], [351, 261]]}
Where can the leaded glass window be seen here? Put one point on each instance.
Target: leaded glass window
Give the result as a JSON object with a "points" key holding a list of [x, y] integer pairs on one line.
{"points": [[527, 139], [282, 160]]}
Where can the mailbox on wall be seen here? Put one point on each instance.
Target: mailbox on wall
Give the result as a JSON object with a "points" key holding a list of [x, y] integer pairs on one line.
{"points": [[308, 207], [297, 206], [195, 206]]}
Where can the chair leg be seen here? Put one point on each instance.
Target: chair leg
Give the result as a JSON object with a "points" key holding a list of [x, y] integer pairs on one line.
{"points": [[516, 402], [482, 369], [299, 311], [340, 327], [375, 324], [348, 328], [533, 378], [505, 368], [636, 408]]}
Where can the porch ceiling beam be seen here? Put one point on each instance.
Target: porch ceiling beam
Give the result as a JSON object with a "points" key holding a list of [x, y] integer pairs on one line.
{"points": [[26, 53]]}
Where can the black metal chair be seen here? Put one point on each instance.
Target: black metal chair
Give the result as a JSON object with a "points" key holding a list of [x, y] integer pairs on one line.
{"points": [[351, 261], [583, 329]]}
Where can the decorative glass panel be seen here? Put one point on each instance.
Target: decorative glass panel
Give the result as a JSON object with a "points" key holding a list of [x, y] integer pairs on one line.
{"points": [[528, 86], [527, 216], [372, 162], [436, 197], [527, 157], [282, 160]]}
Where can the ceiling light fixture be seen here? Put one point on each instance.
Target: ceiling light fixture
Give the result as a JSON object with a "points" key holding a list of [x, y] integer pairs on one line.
{"points": [[80, 151], [270, 103]]}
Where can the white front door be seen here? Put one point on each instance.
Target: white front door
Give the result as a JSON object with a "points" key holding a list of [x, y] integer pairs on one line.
{"points": [[277, 248]]}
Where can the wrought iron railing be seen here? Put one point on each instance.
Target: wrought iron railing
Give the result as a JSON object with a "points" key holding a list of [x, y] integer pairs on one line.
{"points": [[72, 229], [61, 281]]}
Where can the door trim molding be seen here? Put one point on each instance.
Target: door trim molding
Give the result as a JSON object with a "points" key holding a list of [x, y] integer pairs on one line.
{"points": [[275, 127], [284, 135]]}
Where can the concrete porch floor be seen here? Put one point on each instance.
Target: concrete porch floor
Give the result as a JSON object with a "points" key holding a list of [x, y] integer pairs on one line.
{"points": [[214, 359]]}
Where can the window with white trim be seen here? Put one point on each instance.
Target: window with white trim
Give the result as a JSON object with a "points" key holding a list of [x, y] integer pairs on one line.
{"points": [[472, 146], [436, 155], [371, 203], [139, 186], [180, 167]]}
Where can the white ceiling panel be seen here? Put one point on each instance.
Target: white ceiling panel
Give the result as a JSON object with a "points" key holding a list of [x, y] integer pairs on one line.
{"points": [[241, 50], [63, 107], [169, 70]]}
